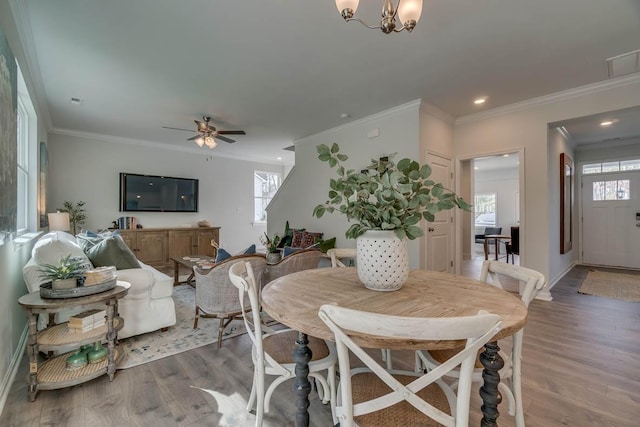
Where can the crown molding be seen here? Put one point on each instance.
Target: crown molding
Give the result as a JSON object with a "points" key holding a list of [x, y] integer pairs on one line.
{"points": [[157, 146], [30, 70], [551, 98], [437, 113]]}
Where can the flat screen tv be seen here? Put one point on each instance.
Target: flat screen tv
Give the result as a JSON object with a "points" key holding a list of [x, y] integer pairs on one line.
{"points": [[150, 193]]}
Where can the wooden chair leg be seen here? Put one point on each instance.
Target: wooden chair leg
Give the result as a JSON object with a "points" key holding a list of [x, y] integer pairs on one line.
{"points": [[220, 331], [195, 322]]}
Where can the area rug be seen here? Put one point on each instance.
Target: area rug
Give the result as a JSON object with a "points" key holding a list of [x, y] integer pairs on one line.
{"points": [[620, 286], [178, 338]]}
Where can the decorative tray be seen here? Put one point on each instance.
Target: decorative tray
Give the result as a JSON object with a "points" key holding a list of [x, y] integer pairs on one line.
{"points": [[46, 290]]}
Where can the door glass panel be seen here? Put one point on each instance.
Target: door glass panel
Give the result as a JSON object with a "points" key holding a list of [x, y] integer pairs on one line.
{"points": [[612, 190]]}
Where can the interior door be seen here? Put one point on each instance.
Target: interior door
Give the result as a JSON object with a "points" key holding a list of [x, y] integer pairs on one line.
{"points": [[610, 220], [440, 232]]}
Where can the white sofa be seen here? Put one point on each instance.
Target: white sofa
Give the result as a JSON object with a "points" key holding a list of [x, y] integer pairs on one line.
{"points": [[147, 307]]}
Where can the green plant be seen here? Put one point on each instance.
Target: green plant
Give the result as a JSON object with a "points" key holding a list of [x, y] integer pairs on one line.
{"points": [[77, 214], [384, 195], [271, 243], [68, 268]]}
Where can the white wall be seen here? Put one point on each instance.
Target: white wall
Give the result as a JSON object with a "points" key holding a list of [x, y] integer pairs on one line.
{"points": [[560, 263], [308, 184], [82, 168], [525, 125], [505, 184]]}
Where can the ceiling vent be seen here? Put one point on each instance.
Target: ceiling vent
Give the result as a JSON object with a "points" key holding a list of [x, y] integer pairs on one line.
{"points": [[627, 63]]}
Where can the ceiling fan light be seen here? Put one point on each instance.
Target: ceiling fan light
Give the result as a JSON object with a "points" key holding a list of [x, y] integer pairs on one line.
{"points": [[409, 11], [199, 141], [211, 143], [347, 7]]}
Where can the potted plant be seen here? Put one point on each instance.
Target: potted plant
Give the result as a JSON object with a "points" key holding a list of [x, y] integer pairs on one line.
{"points": [[64, 275], [271, 244], [385, 202], [77, 214]]}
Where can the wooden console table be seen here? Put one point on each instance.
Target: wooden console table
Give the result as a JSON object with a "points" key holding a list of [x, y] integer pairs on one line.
{"points": [[52, 373]]}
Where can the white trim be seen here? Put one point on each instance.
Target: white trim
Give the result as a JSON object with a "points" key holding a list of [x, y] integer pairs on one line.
{"points": [[554, 97], [156, 145], [437, 113], [10, 377]]}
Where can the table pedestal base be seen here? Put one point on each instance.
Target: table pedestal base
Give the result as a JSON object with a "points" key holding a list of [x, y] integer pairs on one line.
{"points": [[302, 386], [491, 398]]}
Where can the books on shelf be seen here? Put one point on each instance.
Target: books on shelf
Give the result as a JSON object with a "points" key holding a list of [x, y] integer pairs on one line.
{"points": [[86, 321], [126, 222]]}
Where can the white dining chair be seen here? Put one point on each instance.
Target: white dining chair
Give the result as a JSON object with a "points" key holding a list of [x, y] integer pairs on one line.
{"points": [[375, 396], [338, 255], [511, 374], [272, 352]]}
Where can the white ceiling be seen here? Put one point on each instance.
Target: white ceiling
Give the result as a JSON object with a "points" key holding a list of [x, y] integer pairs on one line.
{"points": [[282, 70], [588, 130]]}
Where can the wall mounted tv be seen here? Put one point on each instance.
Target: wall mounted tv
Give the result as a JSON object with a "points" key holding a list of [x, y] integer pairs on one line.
{"points": [[150, 193]]}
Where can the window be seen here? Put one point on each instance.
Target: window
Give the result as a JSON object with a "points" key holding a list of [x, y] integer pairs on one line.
{"points": [[485, 210], [265, 186], [611, 190], [606, 167], [27, 160]]}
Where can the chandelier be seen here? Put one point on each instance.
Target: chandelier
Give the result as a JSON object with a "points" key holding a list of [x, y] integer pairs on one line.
{"points": [[394, 19]]}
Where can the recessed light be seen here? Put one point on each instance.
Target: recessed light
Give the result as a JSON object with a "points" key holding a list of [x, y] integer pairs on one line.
{"points": [[505, 155], [606, 123], [75, 101], [345, 115], [475, 168], [481, 100], [279, 158]]}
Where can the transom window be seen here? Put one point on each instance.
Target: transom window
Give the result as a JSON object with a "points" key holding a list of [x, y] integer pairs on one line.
{"points": [[607, 167], [265, 186], [611, 190]]}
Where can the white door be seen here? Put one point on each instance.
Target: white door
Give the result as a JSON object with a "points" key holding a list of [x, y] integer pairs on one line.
{"points": [[440, 231], [611, 219]]}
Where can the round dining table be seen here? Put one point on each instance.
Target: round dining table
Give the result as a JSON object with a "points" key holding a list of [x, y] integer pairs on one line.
{"points": [[295, 299]]}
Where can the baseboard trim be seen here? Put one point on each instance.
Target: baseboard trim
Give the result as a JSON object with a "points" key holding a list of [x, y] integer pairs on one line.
{"points": [[545, 294], [8, 380]]}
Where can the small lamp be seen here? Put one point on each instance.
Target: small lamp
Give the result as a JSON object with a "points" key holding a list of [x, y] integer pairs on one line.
{"points": [[59, 221]]}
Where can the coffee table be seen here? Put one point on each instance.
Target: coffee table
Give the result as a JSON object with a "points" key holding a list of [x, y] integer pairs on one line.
{"points": [[189, 262]]}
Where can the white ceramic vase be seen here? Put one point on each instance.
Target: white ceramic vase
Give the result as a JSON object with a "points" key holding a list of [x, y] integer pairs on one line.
{"points": [[382, 260]]}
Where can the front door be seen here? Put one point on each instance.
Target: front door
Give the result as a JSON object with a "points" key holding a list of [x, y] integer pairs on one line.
{"points": [[611, 219], [440, 232]]}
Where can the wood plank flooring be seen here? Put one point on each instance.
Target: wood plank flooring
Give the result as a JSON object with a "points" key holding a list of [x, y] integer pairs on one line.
{"points": [[581, 368]]}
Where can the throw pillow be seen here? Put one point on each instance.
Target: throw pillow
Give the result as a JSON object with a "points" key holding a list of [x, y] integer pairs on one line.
{"points": [[309, 239], [108, 249], [288, 250], [250, 250], [53, 246], [222, 255], [296, 239], [325, 245]]}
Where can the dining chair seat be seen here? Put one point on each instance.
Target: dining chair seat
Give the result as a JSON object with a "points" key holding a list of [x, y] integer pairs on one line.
{"points": [[280, 346]]}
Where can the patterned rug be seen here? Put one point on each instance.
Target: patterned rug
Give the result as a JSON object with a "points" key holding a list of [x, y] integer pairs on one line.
{"points": [[178, 338], [620, 286]]}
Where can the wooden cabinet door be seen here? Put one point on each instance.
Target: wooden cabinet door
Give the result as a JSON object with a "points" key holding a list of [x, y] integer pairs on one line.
{"points": [[152, 247], [129, 238], [203, 244], [181, 243]]}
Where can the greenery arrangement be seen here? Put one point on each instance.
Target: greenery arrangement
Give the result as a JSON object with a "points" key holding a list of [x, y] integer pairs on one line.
{"points": [[77, 214], [271, 243], [68, 268], [384, 195]]}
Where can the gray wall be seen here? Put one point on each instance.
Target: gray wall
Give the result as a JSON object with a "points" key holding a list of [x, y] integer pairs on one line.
{"points": [[87, 169]]}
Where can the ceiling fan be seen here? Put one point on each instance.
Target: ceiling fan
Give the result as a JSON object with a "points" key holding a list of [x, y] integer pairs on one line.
{"points": [[207, 133]]}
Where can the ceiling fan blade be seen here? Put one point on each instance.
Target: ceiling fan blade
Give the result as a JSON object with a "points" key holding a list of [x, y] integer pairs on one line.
{"points": [[193, 138], [224, 138], [231, 132], [186, 130]]}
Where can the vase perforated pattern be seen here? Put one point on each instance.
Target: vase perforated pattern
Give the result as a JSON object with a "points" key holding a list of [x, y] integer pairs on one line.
{"points": [[382, 260]]}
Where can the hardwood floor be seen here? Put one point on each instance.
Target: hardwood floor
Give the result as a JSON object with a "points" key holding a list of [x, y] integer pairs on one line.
{"points": [[581, 367]]}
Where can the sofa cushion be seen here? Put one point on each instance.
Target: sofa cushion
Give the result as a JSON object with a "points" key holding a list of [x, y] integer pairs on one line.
{"points": [[108, 249]]}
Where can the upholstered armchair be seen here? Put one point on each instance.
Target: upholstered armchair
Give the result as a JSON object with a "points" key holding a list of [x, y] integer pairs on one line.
{"points": [[304, 259], [216, 296]]}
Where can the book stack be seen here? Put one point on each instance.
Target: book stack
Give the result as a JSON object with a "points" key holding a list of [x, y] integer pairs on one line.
{"points": [[86, 321], [99, 275], [126, 222]]}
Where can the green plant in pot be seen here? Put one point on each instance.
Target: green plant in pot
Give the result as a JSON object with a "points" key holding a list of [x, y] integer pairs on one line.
{"points": [[77, 214], [271, 245], [65, 275], [384, 202]]}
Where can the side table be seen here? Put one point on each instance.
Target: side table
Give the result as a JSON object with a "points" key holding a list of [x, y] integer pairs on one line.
{"points": [[52, 374]]}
